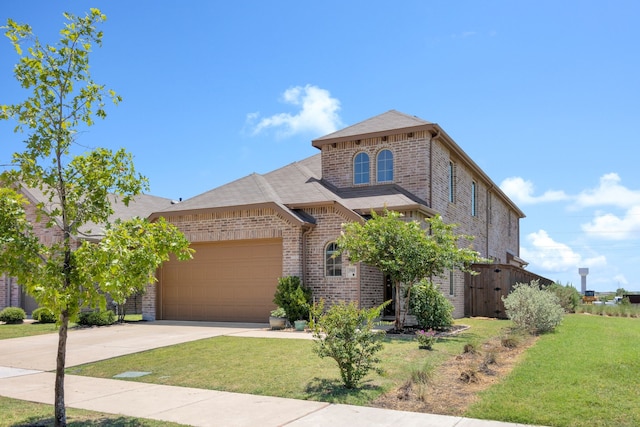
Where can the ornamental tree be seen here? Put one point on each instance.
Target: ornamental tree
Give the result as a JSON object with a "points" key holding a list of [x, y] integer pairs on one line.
{"points": [[405, 251], [78, 187]]}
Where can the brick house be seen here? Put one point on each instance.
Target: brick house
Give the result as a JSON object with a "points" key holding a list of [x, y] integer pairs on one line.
{"points": [[11, 293], [251, 231]]}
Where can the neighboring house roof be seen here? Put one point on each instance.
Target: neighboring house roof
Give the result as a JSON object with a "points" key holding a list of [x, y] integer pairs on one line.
{"points": [[141, 206]]}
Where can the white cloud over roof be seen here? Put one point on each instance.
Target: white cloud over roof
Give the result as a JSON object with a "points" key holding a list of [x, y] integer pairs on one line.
{"points": [[317, 113]]}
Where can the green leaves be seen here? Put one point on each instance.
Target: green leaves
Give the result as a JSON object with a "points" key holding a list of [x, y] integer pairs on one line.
{"points": [[345, 333], [406, 251]]}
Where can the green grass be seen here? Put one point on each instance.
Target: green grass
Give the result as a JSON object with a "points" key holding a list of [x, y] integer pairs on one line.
{"points": [[585, 374], [279, 367], [21, 413], [26, 329], [618, 310]]}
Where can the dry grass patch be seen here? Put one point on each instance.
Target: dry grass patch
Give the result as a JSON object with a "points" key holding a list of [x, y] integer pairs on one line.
{"points": [[455, 384]]}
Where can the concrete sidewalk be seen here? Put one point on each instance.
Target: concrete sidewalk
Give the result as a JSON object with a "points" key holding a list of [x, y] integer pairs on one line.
{"points": [[24, 363]]}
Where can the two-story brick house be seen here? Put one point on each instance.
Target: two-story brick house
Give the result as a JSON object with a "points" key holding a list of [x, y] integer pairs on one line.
{"points": [[251, 231]]}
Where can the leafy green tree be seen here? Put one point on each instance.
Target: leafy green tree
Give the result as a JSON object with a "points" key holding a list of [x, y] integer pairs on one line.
{"points": [[405, 251], [72, 273], [621, 292]]}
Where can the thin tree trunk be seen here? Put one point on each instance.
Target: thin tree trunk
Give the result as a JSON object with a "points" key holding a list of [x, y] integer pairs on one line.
{"points": [[60, 411], [399, 324]]}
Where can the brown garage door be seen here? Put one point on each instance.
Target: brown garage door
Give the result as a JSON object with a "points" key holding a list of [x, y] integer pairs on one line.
{"points": [[225, 281]]}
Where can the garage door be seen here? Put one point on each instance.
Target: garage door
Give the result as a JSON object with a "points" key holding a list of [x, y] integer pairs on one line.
{"points": [[225, 281]]}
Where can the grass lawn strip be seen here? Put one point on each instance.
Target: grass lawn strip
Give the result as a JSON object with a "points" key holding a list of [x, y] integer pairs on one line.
{"points": [[585, 374], [282, 368], [18, 413]]}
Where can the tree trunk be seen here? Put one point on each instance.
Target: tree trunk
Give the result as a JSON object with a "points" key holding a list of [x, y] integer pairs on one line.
{"points": [[60, 411], [399, 324]]}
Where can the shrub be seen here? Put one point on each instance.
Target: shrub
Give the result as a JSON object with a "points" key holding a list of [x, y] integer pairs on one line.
{"points": [[97, 318], [568, 296], [533, 309], [12, 315], [294, 297], [426, 338], [432, 309], [43, 315], [345, 333], [278, 312]]}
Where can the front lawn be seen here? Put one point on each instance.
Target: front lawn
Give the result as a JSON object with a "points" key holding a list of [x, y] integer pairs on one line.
{"points": [[21, 413], [279, 367], [585, 374], [26, 329]]}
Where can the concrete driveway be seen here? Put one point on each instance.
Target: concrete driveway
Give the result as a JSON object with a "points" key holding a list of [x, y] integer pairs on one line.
{"points": [[87, 345]]}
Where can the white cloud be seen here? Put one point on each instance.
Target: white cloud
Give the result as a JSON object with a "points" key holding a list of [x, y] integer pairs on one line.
{"points": [[318, 113], [609, 192], [620, 280], [549, 255], [611, 227], [522, 192]]}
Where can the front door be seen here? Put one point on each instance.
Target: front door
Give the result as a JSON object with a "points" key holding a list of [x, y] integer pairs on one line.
{"points": [[390, 309]]}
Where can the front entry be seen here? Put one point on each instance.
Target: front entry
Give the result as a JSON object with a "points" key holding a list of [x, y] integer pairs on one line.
{"points": [[390, 309]]}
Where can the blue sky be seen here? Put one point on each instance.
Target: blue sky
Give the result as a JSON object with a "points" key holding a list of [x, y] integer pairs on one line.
{"points": [[543, 95]]}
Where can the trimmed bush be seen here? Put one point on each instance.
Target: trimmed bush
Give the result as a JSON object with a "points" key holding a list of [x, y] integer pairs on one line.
{"points": [[431, 308], [533, 309], [43, 315], [12, 315], [293, 297], [97, 318], [345, 333]]}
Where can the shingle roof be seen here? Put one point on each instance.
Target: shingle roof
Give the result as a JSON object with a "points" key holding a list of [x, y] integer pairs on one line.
{"points": [[300, 184], [294, 186], [391, 120], [141, 206]]}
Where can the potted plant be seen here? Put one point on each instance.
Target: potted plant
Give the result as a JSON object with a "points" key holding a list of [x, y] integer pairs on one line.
{"points": [[278, 318]]}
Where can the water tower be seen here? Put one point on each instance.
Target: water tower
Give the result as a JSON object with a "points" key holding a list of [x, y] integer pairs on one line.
{"points": [[583, 279]]}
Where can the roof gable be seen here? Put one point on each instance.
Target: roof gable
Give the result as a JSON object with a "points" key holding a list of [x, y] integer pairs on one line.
{"points": [[392, 120]]}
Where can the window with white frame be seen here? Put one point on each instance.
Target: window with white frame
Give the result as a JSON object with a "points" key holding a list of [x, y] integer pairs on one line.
{"points": [[361, 169], [332, 260], [385, 166]]}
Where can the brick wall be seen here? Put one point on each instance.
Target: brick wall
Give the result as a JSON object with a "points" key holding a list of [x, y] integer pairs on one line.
{"points": [[421, 165]]}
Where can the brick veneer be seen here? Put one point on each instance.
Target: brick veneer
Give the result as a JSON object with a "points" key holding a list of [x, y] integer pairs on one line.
{"points": [[421, 166]]}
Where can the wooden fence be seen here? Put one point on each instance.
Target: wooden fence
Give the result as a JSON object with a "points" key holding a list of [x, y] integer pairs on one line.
{"points": [[483, 292]]}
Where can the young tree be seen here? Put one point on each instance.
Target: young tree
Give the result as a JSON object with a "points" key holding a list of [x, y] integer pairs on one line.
{"points": [[72, 273], [405, 251]]}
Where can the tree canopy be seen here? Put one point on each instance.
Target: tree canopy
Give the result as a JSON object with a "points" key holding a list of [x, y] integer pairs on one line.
{"points": [[78, 185], [405, 250]]}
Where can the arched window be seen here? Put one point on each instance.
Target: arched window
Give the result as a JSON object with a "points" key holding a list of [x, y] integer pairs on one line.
{"points": [[332, 260], [385, 166], [361, 169]]}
